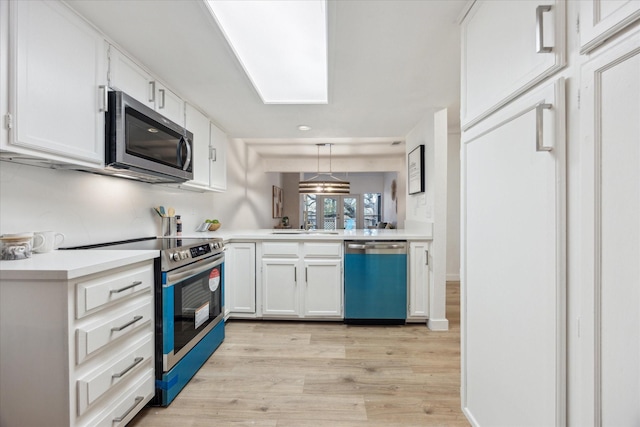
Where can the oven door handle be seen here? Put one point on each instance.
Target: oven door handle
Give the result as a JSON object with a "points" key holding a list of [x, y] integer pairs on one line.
{"points": [[180, 274]]}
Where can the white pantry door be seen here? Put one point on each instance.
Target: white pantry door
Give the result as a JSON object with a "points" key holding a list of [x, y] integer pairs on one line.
{"points": [[610, 282], [513, 264]]}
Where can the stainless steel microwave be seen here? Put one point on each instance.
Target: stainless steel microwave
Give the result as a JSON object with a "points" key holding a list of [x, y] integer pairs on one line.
{"points": [[142, 144]]}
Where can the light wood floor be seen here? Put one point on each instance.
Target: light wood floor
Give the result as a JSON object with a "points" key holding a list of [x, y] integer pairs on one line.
{"points": [[304, 374]]}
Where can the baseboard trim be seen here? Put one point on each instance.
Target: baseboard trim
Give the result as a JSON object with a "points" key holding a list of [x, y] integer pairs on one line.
{"points": [[438, 324]]}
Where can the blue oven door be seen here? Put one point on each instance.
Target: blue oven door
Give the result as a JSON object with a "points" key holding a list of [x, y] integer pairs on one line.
{"points": [[192, 323]]}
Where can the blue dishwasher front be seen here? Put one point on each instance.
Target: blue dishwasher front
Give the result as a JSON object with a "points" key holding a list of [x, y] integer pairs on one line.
{"points": [[375, 282]]}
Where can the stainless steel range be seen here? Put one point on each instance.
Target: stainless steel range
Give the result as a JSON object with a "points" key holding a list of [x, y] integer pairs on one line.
{"points": [[189, 306]]}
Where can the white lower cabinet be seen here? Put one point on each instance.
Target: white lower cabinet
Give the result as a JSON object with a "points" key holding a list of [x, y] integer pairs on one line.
{"points": [[302, 280], [419, 281], [322, 290], [77, 368], [240, 280]]}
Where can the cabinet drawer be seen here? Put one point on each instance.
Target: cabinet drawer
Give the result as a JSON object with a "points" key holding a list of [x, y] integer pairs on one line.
{"points": [[323, 249], [119, 369], [125, 408], [95, 293], [280, 248], [94, 336]]}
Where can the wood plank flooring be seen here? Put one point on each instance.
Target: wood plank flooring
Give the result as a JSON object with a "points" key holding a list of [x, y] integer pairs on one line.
{"points": [[304, 374]]}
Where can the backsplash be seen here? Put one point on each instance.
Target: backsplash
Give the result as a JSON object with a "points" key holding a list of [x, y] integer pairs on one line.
{"points": [[90, 208]]}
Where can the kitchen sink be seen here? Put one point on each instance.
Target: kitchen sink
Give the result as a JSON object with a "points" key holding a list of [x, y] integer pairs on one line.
{"points": [[306, 232]]}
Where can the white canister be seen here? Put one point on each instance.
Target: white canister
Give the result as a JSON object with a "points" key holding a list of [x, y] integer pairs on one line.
{"points": [[17, 246]]}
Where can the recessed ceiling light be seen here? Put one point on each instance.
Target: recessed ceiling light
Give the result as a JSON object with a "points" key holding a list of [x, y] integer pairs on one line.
{"points": [[304, 127], [282, 46]]}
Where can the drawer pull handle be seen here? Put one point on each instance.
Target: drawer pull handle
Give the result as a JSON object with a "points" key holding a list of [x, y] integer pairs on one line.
{"points": [[136, 361], [119, 328], [133, 285], [123, 416]]}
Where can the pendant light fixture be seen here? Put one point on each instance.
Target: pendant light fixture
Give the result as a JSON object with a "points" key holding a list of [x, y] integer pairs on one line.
{"points": [[329, 186]]}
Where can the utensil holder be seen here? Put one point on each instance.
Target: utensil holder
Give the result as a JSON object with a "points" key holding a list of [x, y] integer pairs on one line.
{"points": [[168, 226]]}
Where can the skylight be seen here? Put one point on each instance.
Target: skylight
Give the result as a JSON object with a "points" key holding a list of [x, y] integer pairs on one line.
{"points": [[281, 44]]}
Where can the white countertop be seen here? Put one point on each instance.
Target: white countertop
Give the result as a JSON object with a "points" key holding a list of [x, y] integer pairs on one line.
{"points": [[296, 234], [66, 265]]}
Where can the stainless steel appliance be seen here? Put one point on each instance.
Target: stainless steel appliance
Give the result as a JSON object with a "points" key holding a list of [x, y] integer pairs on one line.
{"points": [[141, 143], [375, 282], [189, 306]]}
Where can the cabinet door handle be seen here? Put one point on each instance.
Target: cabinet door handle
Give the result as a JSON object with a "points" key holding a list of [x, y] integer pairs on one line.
{"points": [[136, 361], [161, 98], [123, 416], [131, 322], [152, 91], [213, 154], [295, 275], [540, 128], [105, 98], [306, 275], [426, 257], [540, 47], [132, 285]]}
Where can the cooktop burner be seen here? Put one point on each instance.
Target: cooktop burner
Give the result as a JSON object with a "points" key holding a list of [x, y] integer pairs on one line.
{"points": [[174, 251]]}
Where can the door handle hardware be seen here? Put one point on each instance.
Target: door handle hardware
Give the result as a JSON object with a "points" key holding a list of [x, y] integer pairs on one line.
{"points": [[119, 328], [213, 154], [161, 98], [540, 47], [426, 257], [540, 128], [152, 91], [123, 416], [120, 374], [132, 285], [295, 274], [105, 98]]}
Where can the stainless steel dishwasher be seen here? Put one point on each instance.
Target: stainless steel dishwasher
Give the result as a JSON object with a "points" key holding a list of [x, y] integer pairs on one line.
{"points": [[375, 282]]}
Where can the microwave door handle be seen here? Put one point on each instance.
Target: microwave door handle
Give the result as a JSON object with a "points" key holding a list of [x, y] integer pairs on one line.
{"points": [[188, 162], [184, 141]]}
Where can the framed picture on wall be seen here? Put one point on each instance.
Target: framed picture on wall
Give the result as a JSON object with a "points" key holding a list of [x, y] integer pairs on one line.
{"points": [[278, 202], [415, 170]]}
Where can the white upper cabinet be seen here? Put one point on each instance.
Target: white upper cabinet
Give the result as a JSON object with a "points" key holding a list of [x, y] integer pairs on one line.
{"points": [[129, 77], [126, 76], [507, 48], [218, 159], [602, 19], [57, 78], [209, 153], [198, 124]]}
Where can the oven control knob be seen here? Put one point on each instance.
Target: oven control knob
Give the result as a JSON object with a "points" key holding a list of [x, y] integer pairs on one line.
{"points": [[184, 255], [175, 256]]}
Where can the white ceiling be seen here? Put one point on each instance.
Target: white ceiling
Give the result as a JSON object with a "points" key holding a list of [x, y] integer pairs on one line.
{"points": [[391, 62]]}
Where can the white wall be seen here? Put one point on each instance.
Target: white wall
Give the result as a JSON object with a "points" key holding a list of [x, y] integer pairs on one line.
{"points": [[453, 207], [90, 208]]}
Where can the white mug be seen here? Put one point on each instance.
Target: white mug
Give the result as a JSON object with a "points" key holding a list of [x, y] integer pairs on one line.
{"points": [[46, 241]]}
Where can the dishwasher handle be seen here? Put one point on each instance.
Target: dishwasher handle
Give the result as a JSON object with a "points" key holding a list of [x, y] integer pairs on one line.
{"points": [[394, 247]]}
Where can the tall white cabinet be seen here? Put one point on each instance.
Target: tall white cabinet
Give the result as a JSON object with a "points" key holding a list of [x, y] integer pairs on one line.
{"points": [[513, 215], [610, 207], [551, 220]]}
